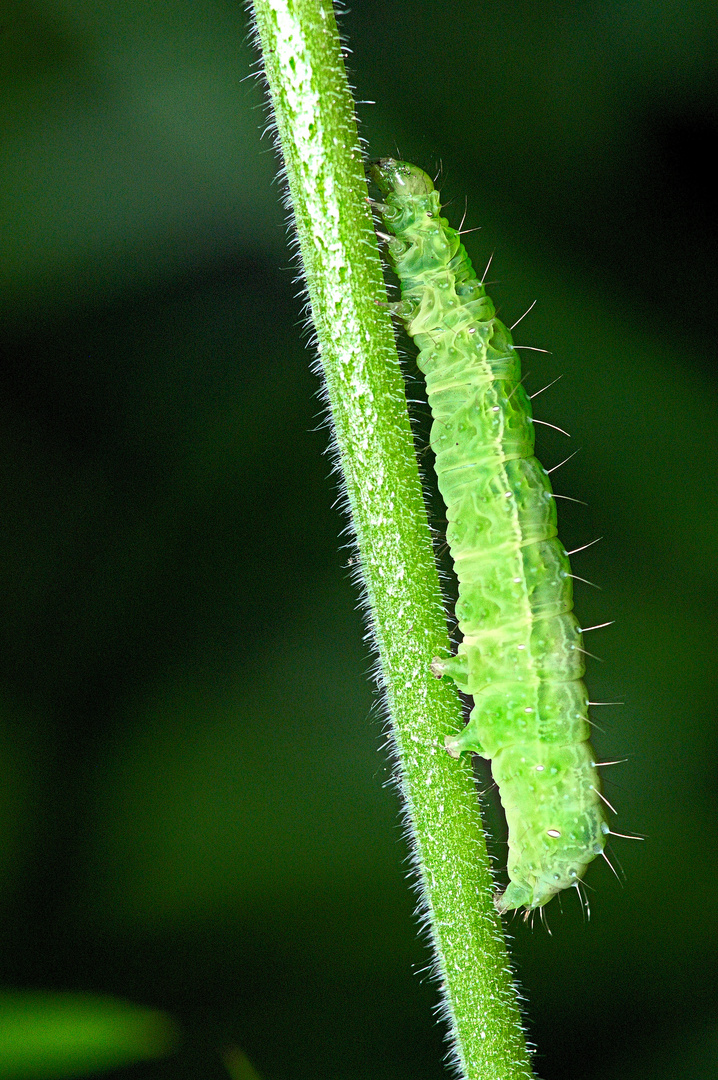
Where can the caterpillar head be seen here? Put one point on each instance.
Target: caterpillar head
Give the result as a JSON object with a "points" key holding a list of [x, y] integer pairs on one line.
{"points": [[400, 178]]}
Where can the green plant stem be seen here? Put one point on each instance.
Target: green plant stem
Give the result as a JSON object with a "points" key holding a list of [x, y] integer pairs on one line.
{"points": [[314, 117]]}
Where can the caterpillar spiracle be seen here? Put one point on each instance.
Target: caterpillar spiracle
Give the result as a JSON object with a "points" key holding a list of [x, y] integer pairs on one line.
{"points": [[521, 656]]}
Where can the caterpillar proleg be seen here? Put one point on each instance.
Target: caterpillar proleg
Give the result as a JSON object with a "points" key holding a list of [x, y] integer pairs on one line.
{"points": [[521, 656]]}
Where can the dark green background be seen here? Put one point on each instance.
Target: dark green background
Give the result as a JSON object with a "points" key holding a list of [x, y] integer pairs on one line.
{"points": [[194, 811]]}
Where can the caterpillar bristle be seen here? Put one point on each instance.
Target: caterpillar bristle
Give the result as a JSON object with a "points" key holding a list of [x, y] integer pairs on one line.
{"points": [[528, 310], [584, 546], [545, 423], [548, 385], [553, 469]]}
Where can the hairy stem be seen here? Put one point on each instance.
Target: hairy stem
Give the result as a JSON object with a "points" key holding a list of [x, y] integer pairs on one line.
{"points": [[314, 118]]}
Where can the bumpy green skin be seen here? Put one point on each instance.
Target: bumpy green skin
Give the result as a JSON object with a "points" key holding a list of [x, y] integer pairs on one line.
{"points": [[521, 656]]}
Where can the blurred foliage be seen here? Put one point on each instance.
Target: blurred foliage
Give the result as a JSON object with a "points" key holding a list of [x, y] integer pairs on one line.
{"points": [[48, 1035], [194, 810], [238, 1065]]}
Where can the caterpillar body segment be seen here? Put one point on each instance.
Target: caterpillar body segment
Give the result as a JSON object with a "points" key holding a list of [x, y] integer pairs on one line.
{"points": [[521, 656]]}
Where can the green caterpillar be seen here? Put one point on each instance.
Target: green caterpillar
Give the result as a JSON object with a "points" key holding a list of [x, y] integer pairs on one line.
{"points": [[521, 656]]}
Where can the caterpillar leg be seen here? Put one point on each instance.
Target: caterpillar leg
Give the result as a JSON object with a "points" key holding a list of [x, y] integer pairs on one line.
{"points": [[456, 667], [399, 309], [456, 745]]}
